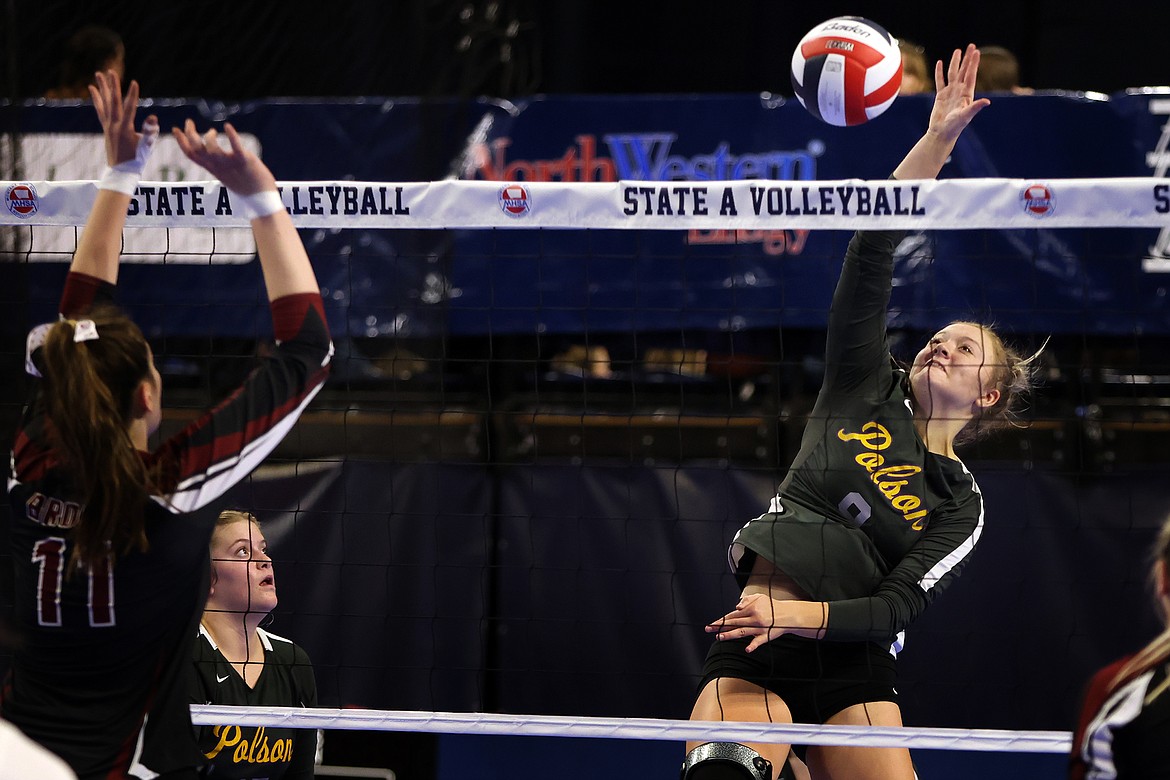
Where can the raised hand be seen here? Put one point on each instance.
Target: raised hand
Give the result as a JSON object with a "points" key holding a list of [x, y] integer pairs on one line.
{"points": [[954, 108], [240, 170], [116, 114], [954, 101]]}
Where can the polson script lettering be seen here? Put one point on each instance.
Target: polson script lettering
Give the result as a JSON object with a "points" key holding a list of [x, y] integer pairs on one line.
{"points": [[890, 480], [257, 750]]}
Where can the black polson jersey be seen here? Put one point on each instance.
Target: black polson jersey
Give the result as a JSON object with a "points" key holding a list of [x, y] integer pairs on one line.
{"points": [[866, 518], [256, 751]]}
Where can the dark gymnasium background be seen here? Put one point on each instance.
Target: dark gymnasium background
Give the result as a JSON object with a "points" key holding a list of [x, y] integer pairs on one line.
{"points": [[237, 50]]}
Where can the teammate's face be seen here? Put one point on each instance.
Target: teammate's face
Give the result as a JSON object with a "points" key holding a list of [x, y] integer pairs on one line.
{"points": [[953, 375], [241, 571]]}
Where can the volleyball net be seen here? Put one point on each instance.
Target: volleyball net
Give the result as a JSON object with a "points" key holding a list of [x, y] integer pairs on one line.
{"points": [[555, 403]]}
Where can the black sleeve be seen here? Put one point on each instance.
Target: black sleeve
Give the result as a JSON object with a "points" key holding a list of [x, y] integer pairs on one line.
{"points": [[856, 348], [931, 565]]}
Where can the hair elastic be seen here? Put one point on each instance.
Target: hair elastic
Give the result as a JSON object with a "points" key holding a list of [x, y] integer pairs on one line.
{"points": [[84, 330]]}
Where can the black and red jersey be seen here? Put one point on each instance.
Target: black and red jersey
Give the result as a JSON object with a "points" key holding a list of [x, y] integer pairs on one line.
{"points": [[100, 674], [1121, 732], [867, 518]]}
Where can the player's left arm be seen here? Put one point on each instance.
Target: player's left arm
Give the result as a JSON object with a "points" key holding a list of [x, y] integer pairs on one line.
{"points": [[127, 150], [931, 565]]}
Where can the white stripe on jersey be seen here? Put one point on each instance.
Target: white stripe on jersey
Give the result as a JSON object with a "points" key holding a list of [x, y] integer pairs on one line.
{"points": [[1118, 710], [266, 638], [202, 489], [956, 556], [137, 769]]}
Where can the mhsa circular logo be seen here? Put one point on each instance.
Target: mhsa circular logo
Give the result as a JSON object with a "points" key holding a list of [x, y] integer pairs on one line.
{"points": [[515, 200], [1038, 200], [21, 200]]}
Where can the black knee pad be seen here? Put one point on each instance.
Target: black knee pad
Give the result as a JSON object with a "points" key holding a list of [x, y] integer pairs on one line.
{"points": [[725, 761]]}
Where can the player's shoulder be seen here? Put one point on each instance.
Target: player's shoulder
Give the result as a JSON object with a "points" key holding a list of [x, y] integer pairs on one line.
{"points": [[283, 648], [205, 647]]}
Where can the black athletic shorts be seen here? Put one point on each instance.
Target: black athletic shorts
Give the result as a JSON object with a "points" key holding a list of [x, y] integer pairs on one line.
{"points": [[816, 679]]}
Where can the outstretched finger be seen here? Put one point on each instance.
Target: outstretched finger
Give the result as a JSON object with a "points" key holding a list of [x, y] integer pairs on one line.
{"points": [[974, 108], [953, 68], [728, 630], [105, 96], [111, 87], [99, 103], [970, 66], [130, 102], [180, 138], [234, 140], [210, 141], [723, 625], [734, 617], [188, 140]]}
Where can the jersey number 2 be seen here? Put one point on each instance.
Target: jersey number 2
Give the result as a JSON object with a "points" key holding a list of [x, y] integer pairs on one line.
{"points": [[49, 554]]}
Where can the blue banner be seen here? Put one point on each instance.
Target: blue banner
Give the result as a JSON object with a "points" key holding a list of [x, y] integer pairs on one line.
{"points": [[432, 283]]}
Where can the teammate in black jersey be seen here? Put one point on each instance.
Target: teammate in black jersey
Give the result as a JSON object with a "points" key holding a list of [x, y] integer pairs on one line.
{"points": [[109, 542], [237, 662], [875, 516], [1125, 716]]}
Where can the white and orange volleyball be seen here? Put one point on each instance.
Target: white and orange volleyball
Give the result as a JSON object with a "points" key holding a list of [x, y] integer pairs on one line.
{"points": [[847, 70]]}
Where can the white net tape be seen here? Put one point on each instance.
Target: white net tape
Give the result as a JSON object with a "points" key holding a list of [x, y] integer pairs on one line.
{"points": [[634, 728], [648, 205]]}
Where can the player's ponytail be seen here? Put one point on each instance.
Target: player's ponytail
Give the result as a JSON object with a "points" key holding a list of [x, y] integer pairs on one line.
{"points": [[92, 368]]}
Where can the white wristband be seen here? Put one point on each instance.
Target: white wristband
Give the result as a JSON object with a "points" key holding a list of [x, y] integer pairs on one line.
{"points": [[124, 176], [259, 204], [119, 180]]}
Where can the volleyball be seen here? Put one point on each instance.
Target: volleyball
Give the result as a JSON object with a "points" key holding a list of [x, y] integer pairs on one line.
{"points": [[847, 70]]}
